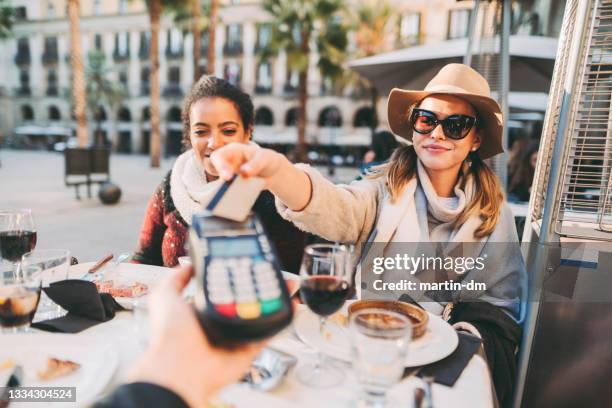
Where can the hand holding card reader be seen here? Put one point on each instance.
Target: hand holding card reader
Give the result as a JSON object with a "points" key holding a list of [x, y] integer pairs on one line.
{"points": [[241, 294]]}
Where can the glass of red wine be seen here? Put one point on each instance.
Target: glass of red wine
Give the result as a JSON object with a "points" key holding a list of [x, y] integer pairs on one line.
{"points": [[17, 235], [325, 283]]}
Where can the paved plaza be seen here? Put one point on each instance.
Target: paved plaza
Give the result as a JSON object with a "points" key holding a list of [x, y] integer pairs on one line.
{"points": [[30, 179]]}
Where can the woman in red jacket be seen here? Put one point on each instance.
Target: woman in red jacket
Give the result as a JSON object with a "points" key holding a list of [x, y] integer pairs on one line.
{"points": [[214, 114]]}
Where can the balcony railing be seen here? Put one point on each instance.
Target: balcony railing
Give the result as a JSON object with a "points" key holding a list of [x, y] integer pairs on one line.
{"points": [[22, 58], [289, 89], [50, 57], [170, 53], [172, 90], [52, 90], [233, 48], [263, 90], [118, 56], [23, 91]]}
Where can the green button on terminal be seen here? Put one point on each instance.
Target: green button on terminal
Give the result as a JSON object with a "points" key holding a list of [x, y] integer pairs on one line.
{"points": [[270, 306]]}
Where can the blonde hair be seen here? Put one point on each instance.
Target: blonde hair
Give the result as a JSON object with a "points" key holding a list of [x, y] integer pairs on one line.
{"points": [[488, 195]]}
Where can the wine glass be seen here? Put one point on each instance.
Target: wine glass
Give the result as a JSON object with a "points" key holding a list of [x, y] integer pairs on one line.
{"points": [[19, 296], [325, 284], [17, 235], [54, 264]]}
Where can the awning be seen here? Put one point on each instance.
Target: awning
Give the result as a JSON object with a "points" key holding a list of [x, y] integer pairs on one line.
{"points": [[532, 60]]}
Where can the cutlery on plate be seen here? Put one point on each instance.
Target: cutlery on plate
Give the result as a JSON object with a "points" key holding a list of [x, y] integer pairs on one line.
{"points": [[100, 263]]}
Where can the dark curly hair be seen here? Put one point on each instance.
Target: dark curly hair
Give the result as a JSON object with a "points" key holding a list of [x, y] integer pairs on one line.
{"points": [[213, 87]]}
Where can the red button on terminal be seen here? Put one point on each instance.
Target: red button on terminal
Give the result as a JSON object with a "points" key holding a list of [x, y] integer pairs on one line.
{"points": [[227, 310]]}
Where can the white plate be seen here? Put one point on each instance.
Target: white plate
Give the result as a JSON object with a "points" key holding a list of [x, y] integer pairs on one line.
{"points": [[438, 342], [31, 350], [126, 273]]}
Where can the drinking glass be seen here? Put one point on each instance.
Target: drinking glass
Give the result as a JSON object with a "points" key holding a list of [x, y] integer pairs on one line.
{"points": [[325, 283], [19, 296], [17, 235], [379, 345], [54, 264]]}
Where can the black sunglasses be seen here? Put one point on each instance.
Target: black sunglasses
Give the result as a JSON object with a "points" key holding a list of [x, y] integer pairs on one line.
{"points": [[455, 127]]}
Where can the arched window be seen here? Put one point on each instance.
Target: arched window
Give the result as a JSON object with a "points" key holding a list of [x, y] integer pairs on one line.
{"points": [[330, 117], [146, 113], [100, 114], [363, 117], [264, 116], [27, 113], [291, 117], [174, 114], [54, 113], [124, 115]]}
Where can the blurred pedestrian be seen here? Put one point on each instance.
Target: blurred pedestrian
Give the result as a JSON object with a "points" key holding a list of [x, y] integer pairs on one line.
{"points": [[383, 145], [521, 170]]}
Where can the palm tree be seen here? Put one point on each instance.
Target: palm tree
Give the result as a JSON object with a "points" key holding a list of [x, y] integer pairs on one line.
{"points": [[101, 90], [78, 77], [372, 25], [212, 31], [7, 18], [155, 9], [297, 25]]}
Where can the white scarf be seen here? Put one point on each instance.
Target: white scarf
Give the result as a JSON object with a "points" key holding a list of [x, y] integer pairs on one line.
{"points": [[189, 189]]}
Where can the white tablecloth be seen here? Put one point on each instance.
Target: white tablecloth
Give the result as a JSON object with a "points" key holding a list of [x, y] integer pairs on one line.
{"points": [[473, 388]]}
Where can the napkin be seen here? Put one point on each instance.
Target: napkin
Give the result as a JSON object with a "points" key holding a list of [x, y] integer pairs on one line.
{"points": [[85, 306], [448, 370]]}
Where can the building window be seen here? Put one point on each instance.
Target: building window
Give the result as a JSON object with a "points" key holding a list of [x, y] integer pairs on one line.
{"points": [[233, 39], [175, 43], [51, 83], [291, 117], [23, 52], [97, 7], [21, 13], [98, 42], [145, 45], [174, 82], [264, 116], [410, 29], [458, 23], [264, 35], [264, 78], [330, 117], [122, 6], [123, 78], [122, 46], [145, 87], [54, 113], [363, 117], [233, 73], [50, 54], [204, 41], [27, 113], [124, 115], [50, 10], [24, 82], [292, 81]]}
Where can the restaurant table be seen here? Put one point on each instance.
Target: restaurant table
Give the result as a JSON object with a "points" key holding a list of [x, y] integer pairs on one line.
{"points": [[123, 334]]}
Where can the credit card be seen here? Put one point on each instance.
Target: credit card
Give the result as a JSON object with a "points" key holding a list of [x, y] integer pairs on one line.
{"points": [[236, 197]]}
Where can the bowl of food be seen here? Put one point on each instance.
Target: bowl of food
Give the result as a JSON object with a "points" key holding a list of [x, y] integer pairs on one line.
{"points": [[416, 315]]}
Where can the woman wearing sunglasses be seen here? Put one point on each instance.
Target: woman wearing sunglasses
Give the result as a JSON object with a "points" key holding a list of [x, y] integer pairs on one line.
{"points": [[435, 189]]}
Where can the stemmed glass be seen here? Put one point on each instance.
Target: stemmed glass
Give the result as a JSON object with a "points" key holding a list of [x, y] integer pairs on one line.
{"points": [[54, 264], [325, 283], [17, 235], [19, 296]]}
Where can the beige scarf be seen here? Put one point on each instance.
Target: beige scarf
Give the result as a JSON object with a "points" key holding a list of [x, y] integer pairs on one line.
{"points": [[189, 189]]}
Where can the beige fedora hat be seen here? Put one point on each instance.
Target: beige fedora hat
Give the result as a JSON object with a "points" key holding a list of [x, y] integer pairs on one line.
{"points": [[464, 82]]}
